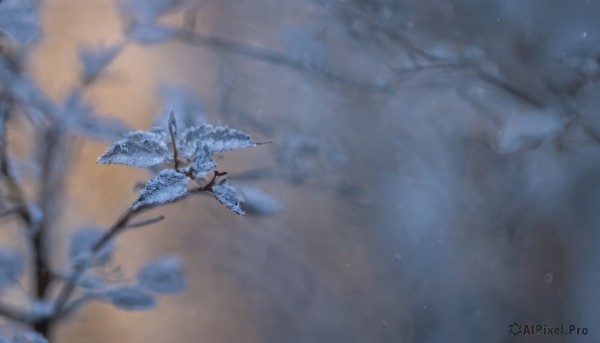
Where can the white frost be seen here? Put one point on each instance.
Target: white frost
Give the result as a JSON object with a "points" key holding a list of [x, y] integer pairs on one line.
{"points": [[227, 195], [137, 149], [203, 162], [217, 138], [166, 187]]}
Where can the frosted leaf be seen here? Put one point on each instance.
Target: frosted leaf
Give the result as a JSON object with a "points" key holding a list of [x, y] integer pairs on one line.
{"points": [[147, 33], [94, 60], [21, 22], [259, 202], [228, 196], [130, 298], [11, 267], [30, 337], [163, 275], [90, 280], [81, 244], [188, 110], [203, 162], [137, 149], [168, 186], [149, 9], [217, 138]]}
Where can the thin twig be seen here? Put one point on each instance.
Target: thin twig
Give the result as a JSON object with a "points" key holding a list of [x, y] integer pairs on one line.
{"points": [[173, 134], [81, 267], [145, 222], [211, 183]]}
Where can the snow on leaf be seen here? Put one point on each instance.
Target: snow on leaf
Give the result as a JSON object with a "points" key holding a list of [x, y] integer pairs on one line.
{"points": [[187, 108], [137, 149], [227, 195], [130, 298], [149, 10], [147, 33], [168, 186], [259, 202], [217, 138], [97, 58], [164, 275], [11, 267], [203, 162], [81, 244]]}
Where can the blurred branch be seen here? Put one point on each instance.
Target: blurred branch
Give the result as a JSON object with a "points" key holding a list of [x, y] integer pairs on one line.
{"points": [[80, 268], [14, 313], [414, 50], [510, 89], [61, 306], [428, 61], [274, 57]]}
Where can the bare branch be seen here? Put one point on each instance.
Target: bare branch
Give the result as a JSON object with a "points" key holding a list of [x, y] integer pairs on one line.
{"points": [[81, 267], [146, 222]]}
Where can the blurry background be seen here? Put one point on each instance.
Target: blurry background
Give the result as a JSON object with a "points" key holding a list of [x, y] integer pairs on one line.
{"points": [[437, 162]]}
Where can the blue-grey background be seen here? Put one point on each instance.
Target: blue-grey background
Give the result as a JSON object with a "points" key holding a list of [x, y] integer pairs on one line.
{"points": [[443, 187]]}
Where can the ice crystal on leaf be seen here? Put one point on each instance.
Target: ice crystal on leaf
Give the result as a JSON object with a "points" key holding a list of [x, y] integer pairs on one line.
{"points": [[203, 162], [168, 186], [137, 149], [217, 138], [227, 195]]}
